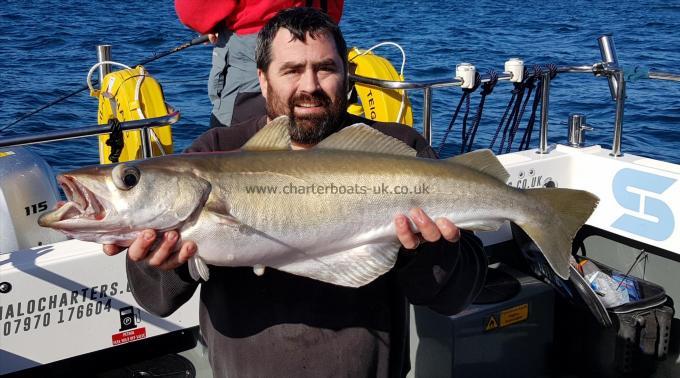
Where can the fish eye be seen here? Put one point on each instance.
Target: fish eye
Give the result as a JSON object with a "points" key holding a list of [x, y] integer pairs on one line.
{"points": [[125, 177]]}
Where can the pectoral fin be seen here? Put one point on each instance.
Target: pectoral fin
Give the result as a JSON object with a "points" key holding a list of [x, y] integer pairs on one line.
{"points": [[258, 269], [221, 218], [353, 268], [479, 225], [198, 269]]}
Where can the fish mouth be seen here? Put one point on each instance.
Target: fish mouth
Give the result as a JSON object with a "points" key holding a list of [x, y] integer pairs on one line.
{"points": [[82, 204]]}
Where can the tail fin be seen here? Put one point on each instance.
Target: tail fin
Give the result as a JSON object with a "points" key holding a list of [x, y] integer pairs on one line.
{"points": [[554, 230]]}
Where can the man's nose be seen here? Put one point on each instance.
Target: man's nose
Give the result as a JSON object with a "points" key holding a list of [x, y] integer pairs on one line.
{"points": [[309, 82]]}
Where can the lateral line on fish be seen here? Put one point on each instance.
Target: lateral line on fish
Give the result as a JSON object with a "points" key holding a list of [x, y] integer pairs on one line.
{"points": [[288, 246]]}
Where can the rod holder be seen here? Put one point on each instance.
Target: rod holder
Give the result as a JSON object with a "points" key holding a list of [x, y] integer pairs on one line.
{"points": [[577, 130], [545, 95], [103, 55], [618, 117], [610, 60]]}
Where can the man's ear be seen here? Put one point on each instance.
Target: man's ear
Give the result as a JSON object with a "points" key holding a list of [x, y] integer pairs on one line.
{"points": [[262, 78]]}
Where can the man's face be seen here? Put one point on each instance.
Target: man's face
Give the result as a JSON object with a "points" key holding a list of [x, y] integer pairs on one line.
{"points": [[306, 82]]}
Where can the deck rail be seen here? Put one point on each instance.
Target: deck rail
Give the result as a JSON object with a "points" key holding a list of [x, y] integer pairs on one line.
{"points": [[608, 68], [87, 131]]}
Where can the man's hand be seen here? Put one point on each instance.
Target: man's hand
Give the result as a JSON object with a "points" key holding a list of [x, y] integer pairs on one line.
{"points": [[429, 230], [164, 256]]}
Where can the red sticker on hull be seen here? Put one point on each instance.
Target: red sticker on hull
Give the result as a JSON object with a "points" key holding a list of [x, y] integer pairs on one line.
{"points": [[128, 336]]}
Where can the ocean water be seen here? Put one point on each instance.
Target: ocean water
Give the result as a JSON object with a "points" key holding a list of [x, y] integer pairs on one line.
{"points": [[47, 48]]}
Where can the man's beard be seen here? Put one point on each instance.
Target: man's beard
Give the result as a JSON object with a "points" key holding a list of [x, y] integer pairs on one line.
{"points": [[309, 129]]}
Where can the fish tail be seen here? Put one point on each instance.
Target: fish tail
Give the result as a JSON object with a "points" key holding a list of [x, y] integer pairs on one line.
{"points": [[554, 231]]}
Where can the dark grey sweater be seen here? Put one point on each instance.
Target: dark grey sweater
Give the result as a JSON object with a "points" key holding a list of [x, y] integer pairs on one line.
{"points": [[284, 325]]}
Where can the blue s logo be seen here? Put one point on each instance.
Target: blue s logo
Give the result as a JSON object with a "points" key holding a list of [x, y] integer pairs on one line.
{"points": [[654, 218]]}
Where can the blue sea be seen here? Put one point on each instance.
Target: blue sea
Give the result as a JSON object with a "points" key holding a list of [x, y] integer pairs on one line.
{"points": [[47, 48]]}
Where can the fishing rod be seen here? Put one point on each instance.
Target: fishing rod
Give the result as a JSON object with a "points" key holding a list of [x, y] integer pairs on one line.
{"points": [[193, 42]]}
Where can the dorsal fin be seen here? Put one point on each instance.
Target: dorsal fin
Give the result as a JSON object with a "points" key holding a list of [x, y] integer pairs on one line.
{"points": [[483, 161], [361, 137], [273, 136]]}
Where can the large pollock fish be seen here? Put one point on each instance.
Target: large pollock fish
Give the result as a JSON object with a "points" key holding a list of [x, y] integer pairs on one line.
{"points": [[326, 213]]}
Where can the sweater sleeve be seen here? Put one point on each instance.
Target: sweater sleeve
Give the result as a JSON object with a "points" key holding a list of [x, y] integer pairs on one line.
{"points": [[445, 276], [158, 291]]}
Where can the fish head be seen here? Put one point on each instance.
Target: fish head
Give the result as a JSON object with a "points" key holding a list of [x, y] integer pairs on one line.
{"points": [[113, 203]]}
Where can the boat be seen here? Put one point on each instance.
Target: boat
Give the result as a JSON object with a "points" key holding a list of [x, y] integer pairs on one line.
{"points": [[66, 307]]}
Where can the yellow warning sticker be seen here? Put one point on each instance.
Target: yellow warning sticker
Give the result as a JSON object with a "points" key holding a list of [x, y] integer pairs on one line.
{"points": [[491, 323], [514, 315], [6, 153]]}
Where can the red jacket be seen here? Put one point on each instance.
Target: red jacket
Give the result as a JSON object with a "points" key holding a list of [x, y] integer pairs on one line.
{"points": [[243, 17]]}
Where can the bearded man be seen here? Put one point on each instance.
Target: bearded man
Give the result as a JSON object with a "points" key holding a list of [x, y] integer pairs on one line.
{"points": [[279, 324]]}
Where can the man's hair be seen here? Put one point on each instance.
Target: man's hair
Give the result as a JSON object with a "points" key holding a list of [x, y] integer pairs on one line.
{"points": [[299, 22]]}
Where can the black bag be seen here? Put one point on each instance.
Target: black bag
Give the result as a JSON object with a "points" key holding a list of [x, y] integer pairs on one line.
{"points": [[626, 340]]}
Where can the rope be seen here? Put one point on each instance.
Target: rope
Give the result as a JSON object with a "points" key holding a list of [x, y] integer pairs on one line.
{"points": [[538, 99], [511, 104], [487, 88], [453, 120], [464, 98], [526, 138], [516, 98], [116, 141], [464, 133], [529, 88], [89, 73]]}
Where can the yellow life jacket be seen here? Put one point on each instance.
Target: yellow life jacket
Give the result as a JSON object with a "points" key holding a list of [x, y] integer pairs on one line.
{"points": [[374, 103], [127, 95]]}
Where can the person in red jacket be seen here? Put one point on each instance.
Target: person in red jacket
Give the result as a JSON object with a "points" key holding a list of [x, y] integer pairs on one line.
{"points": [[233, 27]]}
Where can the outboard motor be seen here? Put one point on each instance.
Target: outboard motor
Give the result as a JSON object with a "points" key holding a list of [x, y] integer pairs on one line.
{"points": [[27, 188]]}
